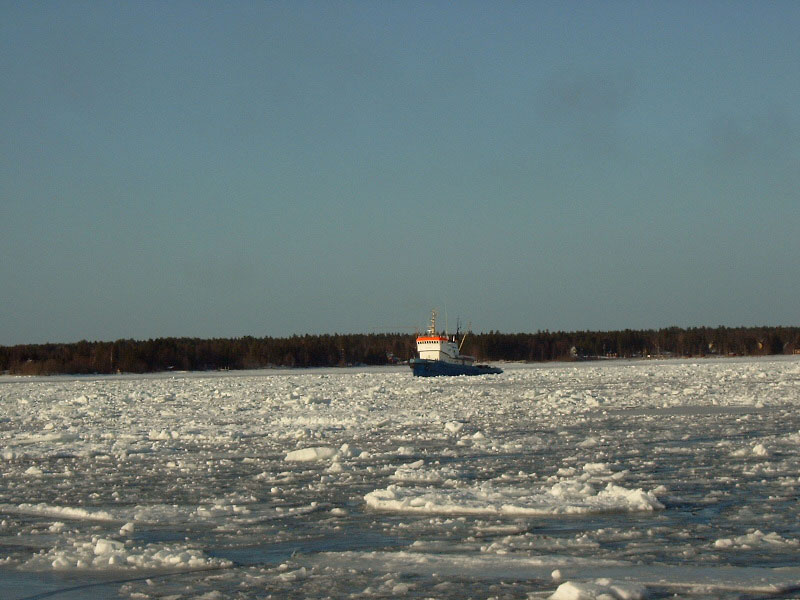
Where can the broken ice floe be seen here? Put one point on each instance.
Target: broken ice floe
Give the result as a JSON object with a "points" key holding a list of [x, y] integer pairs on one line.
{"points": [[489, 499], [102, 554], [600, 589]]}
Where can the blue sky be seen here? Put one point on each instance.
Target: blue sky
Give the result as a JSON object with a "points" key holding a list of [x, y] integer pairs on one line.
{"points": [[228, 169]]}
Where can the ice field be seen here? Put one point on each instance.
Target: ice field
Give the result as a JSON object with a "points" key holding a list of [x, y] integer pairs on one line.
{"points": [[607, 480]]}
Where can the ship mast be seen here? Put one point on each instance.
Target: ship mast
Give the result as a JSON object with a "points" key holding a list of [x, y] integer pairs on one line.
{"points": [[432, 328]]}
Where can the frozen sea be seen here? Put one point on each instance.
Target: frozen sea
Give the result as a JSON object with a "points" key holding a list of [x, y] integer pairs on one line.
{"points": [[606, 480]]}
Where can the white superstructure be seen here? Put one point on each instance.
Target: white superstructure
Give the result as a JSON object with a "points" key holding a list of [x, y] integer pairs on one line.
{"points": [[437, 346]]}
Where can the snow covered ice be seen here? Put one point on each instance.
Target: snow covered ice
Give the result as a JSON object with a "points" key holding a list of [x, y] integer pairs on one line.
{"points": [[618, 479]]}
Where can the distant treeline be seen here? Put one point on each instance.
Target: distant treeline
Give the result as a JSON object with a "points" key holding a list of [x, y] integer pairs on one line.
{"points": [[192, 354]]}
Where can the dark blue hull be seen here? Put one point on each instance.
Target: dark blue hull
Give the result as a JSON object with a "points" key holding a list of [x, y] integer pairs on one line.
{"points": [[435, 368]]}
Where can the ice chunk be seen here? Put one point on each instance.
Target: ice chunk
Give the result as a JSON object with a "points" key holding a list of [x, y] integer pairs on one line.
{"points": [[9, 454], [296, 575], [756, 539], [760, 450], [108, 546], [454, 426], [127, 529], [311, 454], [602, 589], [64, 512]]}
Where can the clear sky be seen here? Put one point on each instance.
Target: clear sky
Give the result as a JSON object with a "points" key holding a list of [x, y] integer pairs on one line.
{"points": [[219, 169]]}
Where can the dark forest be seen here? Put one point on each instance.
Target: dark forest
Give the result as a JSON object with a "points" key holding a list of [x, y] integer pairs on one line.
{"points": [[192, 354]]}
